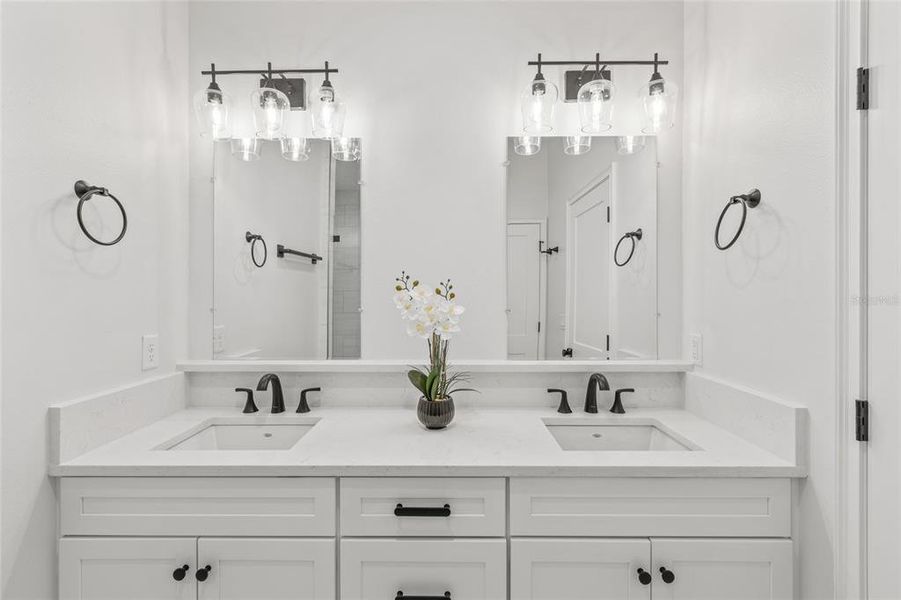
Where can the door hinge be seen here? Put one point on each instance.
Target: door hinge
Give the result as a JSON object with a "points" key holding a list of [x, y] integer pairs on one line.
{"points": [[608, 214], [863, 88], [862, 420]]}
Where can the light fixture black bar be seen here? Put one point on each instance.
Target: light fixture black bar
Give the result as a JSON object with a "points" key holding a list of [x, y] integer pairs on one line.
{"points": [[217, 72], [563, 63]]}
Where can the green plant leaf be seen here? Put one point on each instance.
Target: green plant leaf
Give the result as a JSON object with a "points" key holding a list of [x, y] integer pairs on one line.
{"points": [[433, 388], [430, 384], [418, 379]]}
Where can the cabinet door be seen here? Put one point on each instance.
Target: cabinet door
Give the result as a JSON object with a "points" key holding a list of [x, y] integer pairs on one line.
{"points": [[378, 569], [579, 569], [709, 569], [266, 569], [126, 568]]}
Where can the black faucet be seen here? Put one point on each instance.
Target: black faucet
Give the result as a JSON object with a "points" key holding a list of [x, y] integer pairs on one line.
{"points": [[278, 400], [617, 407], [595, 382]]}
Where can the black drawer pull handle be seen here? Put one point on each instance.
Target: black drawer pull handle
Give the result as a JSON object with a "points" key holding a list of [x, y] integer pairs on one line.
{"points": [[644, 577], [666, 575], [203, 573], [422, 511], [400, 596], [179, 574]]}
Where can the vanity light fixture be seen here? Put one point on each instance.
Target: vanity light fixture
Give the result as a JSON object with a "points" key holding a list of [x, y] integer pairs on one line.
{"points": [[296, 149], [595, 100], [537, 103], [658, 97], [630, 144], [346, 149], [269, 109], [211, 109], [246, 148], [326, 110], [527, 145], [577, 144]]}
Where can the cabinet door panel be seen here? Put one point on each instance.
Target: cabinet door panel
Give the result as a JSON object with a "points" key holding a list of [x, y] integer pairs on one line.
{"points": [[376, 569], [126, 568], [579, 569], [709, 569], [267, 569]]}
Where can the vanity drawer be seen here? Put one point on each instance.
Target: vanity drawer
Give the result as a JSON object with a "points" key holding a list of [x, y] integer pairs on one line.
{"points": [[474, 507], [379, 569], [650, 507], [258, 506]]}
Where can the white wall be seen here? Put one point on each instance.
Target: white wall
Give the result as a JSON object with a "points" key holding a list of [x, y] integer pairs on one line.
{"points": [[759, 112], [273, 311], [95, 91], [428, 85]]}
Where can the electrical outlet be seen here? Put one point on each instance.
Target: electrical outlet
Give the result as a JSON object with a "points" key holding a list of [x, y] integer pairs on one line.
{"points": [[150, 356], [218, 339], [696, 348]]}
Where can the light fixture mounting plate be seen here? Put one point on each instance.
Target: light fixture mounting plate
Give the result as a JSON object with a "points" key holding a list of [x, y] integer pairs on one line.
{"points": [[294, 89], [573, 80]]}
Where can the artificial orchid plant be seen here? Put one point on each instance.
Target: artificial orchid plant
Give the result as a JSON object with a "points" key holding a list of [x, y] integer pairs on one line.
{"points": [[433, 314]]}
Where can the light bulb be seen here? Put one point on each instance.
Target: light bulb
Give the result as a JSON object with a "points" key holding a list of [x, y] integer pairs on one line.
{"points": [[269, 109], [595, 100], [211, 109], [327, 113], [659, 98], [537, 104]]}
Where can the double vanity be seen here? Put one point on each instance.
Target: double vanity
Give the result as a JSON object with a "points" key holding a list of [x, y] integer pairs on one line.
{"points": [[354, 502]]}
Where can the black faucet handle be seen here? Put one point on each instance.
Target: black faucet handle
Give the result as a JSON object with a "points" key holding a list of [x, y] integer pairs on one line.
{"points": [[303, 407], [617, 407], [249, 406], [564, 403]]}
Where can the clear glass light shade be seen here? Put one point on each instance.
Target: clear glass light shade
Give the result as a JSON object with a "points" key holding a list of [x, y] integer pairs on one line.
{"points": [[269, 109], [211, 109], [658, 97], [296, 149], [537, 103], [527, 145], [595, 100], [577, 144], [630, 144], [346, 149], [327, 112], [246, 149]]}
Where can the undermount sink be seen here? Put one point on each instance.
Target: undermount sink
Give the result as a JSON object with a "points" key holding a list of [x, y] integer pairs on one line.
{"points": [[240, 436], [628, 437]]}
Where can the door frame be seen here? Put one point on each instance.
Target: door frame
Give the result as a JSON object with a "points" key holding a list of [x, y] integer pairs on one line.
{"points": [[608, 175], [542, 279]]}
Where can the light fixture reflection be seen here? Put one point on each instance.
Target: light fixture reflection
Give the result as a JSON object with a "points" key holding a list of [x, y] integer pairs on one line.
{"points": [[346, 149], [577, 144], [296, 149], [526, 145], [246, 149], [630, 144]]}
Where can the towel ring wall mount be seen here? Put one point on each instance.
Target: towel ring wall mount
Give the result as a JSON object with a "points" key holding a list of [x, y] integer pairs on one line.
{"points": [[85, 192], [252, 239], [749, 200], [631, 236]]}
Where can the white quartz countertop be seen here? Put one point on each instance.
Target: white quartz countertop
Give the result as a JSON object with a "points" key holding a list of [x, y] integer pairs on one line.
{"points": [[493, 442]]}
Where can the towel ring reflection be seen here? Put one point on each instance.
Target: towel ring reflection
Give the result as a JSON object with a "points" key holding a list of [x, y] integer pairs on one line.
{"points": [[85, 192], [252, 239], [632, 236], [749, 200]]}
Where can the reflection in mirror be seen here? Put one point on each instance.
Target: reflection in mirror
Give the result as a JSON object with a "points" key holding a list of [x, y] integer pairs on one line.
{"points": [[286, 237], [572, 219]]}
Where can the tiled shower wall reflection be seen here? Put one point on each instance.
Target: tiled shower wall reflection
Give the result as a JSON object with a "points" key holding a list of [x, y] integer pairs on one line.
{"points": [[345, 342]]}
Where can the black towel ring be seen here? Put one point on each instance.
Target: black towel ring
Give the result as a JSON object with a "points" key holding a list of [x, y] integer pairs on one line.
{"points": [[252, 239], [632, 236], [749, 200], [85, 192]]}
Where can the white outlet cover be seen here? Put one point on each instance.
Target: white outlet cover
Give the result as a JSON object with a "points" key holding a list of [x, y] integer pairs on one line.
{"points": [[150, 351], [696, 348]]}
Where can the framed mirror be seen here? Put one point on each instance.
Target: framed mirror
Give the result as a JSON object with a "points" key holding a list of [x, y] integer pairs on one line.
{"points": [[286, 236], [581, 238]]}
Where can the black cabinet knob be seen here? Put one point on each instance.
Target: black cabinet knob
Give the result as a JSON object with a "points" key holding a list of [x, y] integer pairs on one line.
{"points": [[644, 577], [667, 575], [179, 574], [203, 573]]}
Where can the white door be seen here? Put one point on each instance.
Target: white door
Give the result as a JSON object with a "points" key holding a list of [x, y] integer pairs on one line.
{"points": [[127, 569], [579, 569], [523, 290], [588, 273], [713, 569], [380, 569], [883, 451], [266, 569]]}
